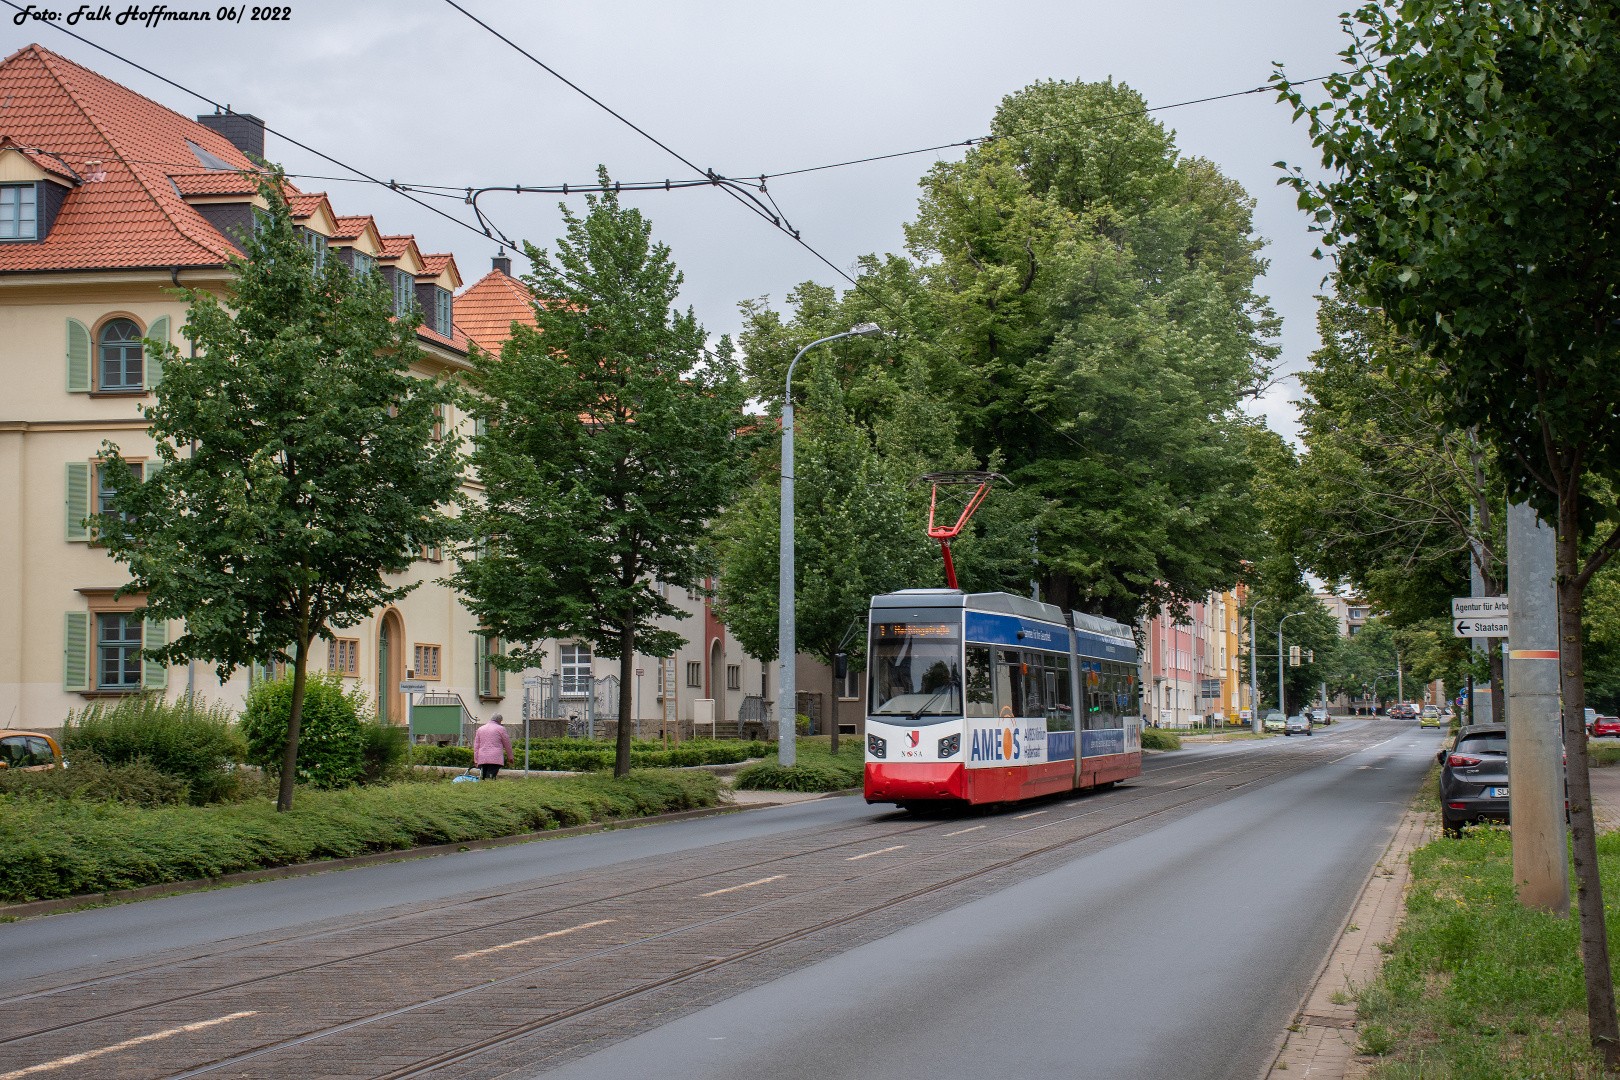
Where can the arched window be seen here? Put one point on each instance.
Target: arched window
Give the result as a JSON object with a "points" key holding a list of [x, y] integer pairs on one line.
{"points": [[121, 356]]}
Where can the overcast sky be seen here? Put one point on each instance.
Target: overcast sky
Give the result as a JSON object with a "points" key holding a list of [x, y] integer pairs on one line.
{"points": [[415, 91]]}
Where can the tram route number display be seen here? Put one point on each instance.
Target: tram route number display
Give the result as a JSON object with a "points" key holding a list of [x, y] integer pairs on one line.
{"points": [[916, 630]]}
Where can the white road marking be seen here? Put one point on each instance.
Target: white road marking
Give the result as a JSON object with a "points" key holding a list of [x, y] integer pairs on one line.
{"points": [[1020, 817], [746, 885], [75, 1059], [959, 832], [879, 851], [530, 940]]}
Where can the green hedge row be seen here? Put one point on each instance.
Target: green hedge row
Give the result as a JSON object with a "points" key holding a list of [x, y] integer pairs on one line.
{"points": [[65, 847], [583, 755]]}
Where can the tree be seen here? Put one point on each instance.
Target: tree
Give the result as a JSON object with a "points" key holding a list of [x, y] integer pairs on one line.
{"points": [[610, 440], [312, 474], [855, 536], [1081, 300], [1474, 200], [1387, 496]]}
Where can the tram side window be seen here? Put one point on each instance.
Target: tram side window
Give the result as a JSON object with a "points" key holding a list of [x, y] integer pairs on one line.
{"points": [[1009, 683], [1059, 703], [981, 695], [1034, 674]]}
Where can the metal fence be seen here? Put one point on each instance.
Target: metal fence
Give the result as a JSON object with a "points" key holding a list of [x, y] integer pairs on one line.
{"points": [[544, 699]]}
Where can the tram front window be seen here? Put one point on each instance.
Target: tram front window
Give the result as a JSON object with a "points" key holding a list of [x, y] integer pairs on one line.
{"points": [[916, 670]]}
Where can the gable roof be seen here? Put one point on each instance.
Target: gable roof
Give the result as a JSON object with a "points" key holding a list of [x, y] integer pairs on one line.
{"points": [[486, 310], [135, 217]]}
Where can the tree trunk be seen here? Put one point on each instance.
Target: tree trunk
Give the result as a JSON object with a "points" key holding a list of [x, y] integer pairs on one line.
{"points": [[295, 717], [627, 665], [1602, 1022], [1498, 692]]}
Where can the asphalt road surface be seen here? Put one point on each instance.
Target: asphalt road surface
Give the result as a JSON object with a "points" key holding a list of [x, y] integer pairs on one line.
{"points": [[1167, 928]]}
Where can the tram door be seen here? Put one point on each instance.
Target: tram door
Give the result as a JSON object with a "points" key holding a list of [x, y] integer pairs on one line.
{"points": [[1009, 684]]}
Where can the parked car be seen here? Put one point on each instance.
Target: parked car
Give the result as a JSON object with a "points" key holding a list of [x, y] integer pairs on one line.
{"points": [[1319, 716], [29, 750], [1474, 778], [1274, 721], [1604, 727], [1298, 725], [1402, 711], [1432, 717]]}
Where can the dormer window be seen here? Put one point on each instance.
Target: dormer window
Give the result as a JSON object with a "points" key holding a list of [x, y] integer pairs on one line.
{"points": [[361, 263], [404, 292], [442, 309], [19, 212], [317, 247]]}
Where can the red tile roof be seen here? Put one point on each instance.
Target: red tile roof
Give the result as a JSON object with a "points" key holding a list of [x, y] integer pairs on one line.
{"points": [[487, 309], [134, 217], [302, 205], [350, 227], [213, 183], [43, 160], [458, 343], [395, 246], [435, 264]]}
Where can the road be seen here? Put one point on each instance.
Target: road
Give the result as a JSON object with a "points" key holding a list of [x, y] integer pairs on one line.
{"points": [[1165, 928]]}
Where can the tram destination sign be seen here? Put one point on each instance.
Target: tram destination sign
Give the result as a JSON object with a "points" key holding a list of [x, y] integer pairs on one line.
{"points": [[1479, 616]]}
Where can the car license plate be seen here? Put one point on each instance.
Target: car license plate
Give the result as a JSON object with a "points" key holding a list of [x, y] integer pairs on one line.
{"points": [[1497, 792]]}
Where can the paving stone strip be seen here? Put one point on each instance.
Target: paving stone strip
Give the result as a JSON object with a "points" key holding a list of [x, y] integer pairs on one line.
{"points": [[541, 973]]}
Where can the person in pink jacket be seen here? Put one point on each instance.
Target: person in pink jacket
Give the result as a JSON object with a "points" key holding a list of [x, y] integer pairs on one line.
{"points": [[492, 747]]}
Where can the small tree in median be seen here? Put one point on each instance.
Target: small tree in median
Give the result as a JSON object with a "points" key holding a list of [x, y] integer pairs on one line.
{"points": [[309, 471], [610, 440]]}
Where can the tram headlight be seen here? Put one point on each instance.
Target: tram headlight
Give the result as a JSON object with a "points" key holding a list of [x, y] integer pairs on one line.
{"points": [[950, 745], [877, 747]]}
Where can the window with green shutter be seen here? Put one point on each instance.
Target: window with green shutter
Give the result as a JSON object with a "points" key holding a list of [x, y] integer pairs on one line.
{"points": [[444, 309], [78, 357], [404, 292], [158, 332], [76, 652], [77, 500], [154, 673]]}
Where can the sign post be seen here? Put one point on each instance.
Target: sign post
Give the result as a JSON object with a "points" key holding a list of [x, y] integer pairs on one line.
{"points": [[1479, 616], [410, 688]]}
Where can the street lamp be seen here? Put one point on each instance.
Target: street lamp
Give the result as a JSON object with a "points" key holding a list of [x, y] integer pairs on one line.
{"points": [[1254, 669], [1396, 674], [1282, 702], [786, 626]]}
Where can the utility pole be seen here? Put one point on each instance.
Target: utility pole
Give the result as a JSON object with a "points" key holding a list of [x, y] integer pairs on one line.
{"points": [[1282, 701], [1254, 672], [1482, 713], [1535, 720]]}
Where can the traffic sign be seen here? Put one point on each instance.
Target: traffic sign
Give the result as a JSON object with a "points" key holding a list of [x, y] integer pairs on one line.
{"points": [[413, 686], [531, 681], [1479, 616], [640, 672]]}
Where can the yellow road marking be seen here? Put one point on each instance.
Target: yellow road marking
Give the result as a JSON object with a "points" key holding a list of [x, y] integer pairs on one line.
{"points": [[747, 885], [879, 851], [75, 1059], [531, 940]]}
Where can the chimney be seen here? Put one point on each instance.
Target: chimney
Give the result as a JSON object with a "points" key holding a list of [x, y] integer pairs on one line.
{"points": [[243, 130], [502, 263]]}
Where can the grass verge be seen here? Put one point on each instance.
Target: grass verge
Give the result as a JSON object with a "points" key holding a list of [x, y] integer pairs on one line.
{"points": [[58, 847], [1474, 984], [816, 769], [586, 755]]}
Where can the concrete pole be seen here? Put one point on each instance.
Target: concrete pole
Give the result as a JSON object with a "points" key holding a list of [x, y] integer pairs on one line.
{"points": [[1254, 672], [787, 724], [1535, 746], [1476, 587]]}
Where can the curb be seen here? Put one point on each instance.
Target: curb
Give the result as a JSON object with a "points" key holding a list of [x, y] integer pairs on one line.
{"points": [[321, 866]]}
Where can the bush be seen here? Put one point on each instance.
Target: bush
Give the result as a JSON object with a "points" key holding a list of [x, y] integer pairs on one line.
{"points": [[187, 739], [1158, 739], [584, 755], [816, 769], [67, 847], [442, 755], [384, 751], [331, 735], [137, 782]]}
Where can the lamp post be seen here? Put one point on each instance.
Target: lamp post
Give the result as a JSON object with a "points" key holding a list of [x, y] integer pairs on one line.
{"points": [[1390, 675], [786, 625], [1254, 671], [1282, 702]]}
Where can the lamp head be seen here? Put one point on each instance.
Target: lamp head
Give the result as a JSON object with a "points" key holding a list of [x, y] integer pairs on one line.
{"points": [[866, 329]]}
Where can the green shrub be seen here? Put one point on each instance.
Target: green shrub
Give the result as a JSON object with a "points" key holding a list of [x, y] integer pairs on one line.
{"points": [[384, 750], [331, 734], [805, 776], [187, 739], [1158, 739], [442, 755], [583, 755], [68, 847], [137, 782]]}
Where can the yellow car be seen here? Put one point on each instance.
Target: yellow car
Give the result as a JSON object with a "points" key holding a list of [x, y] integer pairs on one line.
{"points": [[28, 750], [1431, 717]]}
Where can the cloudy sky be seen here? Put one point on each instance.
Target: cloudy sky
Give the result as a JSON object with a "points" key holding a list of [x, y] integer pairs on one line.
{"points": [[413, 90]]}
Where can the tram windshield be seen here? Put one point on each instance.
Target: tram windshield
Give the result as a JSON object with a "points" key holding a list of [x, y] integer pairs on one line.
{"points": [[916, 669]]}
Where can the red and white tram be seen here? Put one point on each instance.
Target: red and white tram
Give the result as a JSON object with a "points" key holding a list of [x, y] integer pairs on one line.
{"points": [[991, 697]]}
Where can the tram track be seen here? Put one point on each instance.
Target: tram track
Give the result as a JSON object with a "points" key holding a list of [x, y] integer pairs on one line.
{"points": [[1268, 764]]}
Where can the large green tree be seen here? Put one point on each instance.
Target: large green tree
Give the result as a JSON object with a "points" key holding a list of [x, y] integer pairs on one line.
{"points": [[856, 534], [1473, 198], [611, 438], [1081, 299], [299, 474]]}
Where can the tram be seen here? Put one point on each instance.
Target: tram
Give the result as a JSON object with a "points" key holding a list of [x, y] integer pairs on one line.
{"points": [[977, 698]]}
